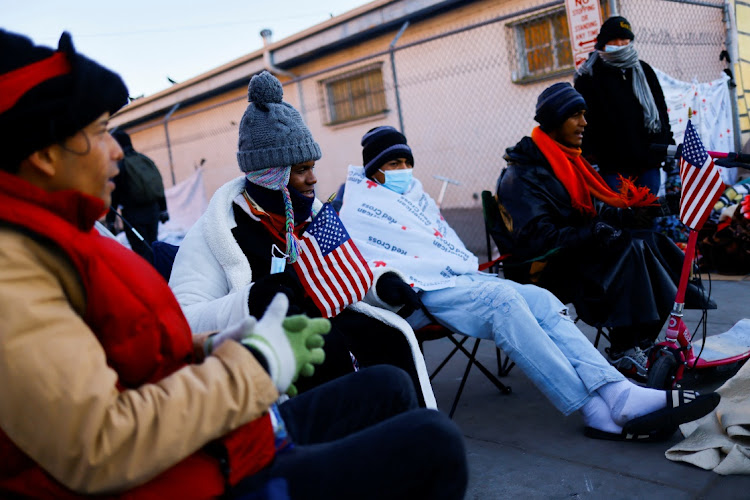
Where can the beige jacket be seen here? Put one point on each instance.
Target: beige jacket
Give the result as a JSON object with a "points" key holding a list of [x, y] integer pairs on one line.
{"points": [[58, 401]]}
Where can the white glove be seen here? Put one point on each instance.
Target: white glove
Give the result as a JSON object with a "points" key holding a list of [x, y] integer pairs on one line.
{"points": [[235, 332], [269, 339]]}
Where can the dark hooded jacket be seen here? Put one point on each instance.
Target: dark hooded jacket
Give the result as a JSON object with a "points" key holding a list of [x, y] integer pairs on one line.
{"points": [[616, 138]]}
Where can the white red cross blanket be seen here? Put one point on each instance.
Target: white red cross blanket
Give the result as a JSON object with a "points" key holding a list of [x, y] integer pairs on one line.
{"points": [[404, 231]]}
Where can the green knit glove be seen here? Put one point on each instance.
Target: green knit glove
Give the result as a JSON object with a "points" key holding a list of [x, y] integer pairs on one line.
{"points": [[290, 345]]}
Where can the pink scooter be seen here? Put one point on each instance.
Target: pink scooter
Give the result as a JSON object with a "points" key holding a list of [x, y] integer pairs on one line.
{"points": [[673, 362]]}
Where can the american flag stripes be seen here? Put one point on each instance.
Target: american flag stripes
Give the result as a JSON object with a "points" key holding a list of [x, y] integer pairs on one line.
{"points": [[330, 266], [701, 181]]}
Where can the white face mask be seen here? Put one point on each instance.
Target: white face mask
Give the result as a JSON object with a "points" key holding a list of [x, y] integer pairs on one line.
{"points": [[614, 48]]}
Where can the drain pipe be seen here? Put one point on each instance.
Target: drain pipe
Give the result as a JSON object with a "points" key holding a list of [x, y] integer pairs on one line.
{"points": [[612, 8], [391, 48], [732, 52], [266, 34], [169, 145]]}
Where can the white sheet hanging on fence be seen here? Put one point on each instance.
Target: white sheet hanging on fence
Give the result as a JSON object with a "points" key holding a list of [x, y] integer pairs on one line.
{"points": [[186, 202], [405, 231], [710, 103]]}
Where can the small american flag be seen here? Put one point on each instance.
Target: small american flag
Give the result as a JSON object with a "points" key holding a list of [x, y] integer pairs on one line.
{"points": [[701, 181], [330, 266]]}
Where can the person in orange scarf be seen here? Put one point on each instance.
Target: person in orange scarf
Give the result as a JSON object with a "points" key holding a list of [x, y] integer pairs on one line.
{"points": [[567, 231]]}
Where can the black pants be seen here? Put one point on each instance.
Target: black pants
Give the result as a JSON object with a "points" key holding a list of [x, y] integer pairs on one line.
{"points": [[361, 436], [374, 343]]}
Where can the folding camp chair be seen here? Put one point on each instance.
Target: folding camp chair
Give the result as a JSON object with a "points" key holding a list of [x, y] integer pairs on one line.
{"points": [[435, 330]]}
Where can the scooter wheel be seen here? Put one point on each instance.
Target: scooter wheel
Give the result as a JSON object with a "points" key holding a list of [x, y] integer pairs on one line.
{"points": [[662, 372]]}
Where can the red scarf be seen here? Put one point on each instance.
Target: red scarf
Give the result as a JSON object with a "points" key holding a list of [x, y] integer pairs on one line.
{"points": [[582, 181], [275, 223]]}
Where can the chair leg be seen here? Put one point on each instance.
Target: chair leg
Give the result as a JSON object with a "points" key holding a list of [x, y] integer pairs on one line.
{"points": [[504, 364], [504, 389], [449, 356], [466, 375], [600, 333], [500, 386]]}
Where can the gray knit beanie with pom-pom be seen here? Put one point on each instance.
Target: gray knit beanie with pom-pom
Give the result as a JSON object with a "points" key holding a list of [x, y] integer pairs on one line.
{"points": [[272, 133]]}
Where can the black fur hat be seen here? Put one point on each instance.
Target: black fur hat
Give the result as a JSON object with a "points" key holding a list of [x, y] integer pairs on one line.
{"points": [[47, 96]]}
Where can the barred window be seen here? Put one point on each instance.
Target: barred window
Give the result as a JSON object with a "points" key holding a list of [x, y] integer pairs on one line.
{"points": [[542, 44], [355, 95]]}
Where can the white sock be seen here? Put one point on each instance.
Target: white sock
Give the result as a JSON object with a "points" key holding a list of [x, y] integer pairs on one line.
{"points": [[627, 401], [596, 414]]}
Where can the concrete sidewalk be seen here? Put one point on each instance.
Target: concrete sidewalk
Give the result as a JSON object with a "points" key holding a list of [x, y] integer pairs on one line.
{"points": [[520, 446]]}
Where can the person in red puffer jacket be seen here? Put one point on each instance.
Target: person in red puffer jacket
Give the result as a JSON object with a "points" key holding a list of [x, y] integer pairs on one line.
{"points": [[106, 391]]}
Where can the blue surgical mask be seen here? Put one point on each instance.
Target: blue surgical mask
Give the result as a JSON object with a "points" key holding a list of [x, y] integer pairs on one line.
{"points": [[397, 180], [614, 48]]}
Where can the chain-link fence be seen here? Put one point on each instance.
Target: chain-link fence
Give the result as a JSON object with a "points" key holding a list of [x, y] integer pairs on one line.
{"points": [[462, 95]]}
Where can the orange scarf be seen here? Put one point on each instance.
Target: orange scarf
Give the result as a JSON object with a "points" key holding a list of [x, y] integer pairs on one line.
{"points": [[583, 182]]}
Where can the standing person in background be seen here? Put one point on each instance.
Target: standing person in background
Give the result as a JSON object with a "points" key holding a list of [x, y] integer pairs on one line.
{"points": [[139, 190], [626, 109]]}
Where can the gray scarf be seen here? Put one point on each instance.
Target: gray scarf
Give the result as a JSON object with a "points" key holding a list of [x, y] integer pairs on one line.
{"points": [[624, 58]]}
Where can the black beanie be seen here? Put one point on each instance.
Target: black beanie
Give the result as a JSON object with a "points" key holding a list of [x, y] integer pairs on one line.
{"points": [[556, 104], [383, 144], [47, 96], [612, 29]]}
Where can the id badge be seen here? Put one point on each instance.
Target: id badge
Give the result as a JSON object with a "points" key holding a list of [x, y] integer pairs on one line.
{"points": [[278, 263]]}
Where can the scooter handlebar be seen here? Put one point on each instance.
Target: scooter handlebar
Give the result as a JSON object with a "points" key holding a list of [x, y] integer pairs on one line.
{"points": [[723, 159], [731, 159]]}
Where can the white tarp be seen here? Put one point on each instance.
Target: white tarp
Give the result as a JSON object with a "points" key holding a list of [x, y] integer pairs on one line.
{"points": [[711, 114], [186, 202]]}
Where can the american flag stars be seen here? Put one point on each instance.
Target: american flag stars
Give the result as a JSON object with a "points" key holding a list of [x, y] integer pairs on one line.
{"points": [[328, 230]]}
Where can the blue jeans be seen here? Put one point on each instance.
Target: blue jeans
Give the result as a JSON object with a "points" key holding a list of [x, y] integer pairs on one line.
{"points": [[533, 328]]}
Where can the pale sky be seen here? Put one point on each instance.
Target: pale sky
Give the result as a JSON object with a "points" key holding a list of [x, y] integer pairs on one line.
{"points": [[147, 41]]}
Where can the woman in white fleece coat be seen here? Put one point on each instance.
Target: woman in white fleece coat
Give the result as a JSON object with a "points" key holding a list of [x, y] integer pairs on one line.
{"points": [[224, 270]]}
